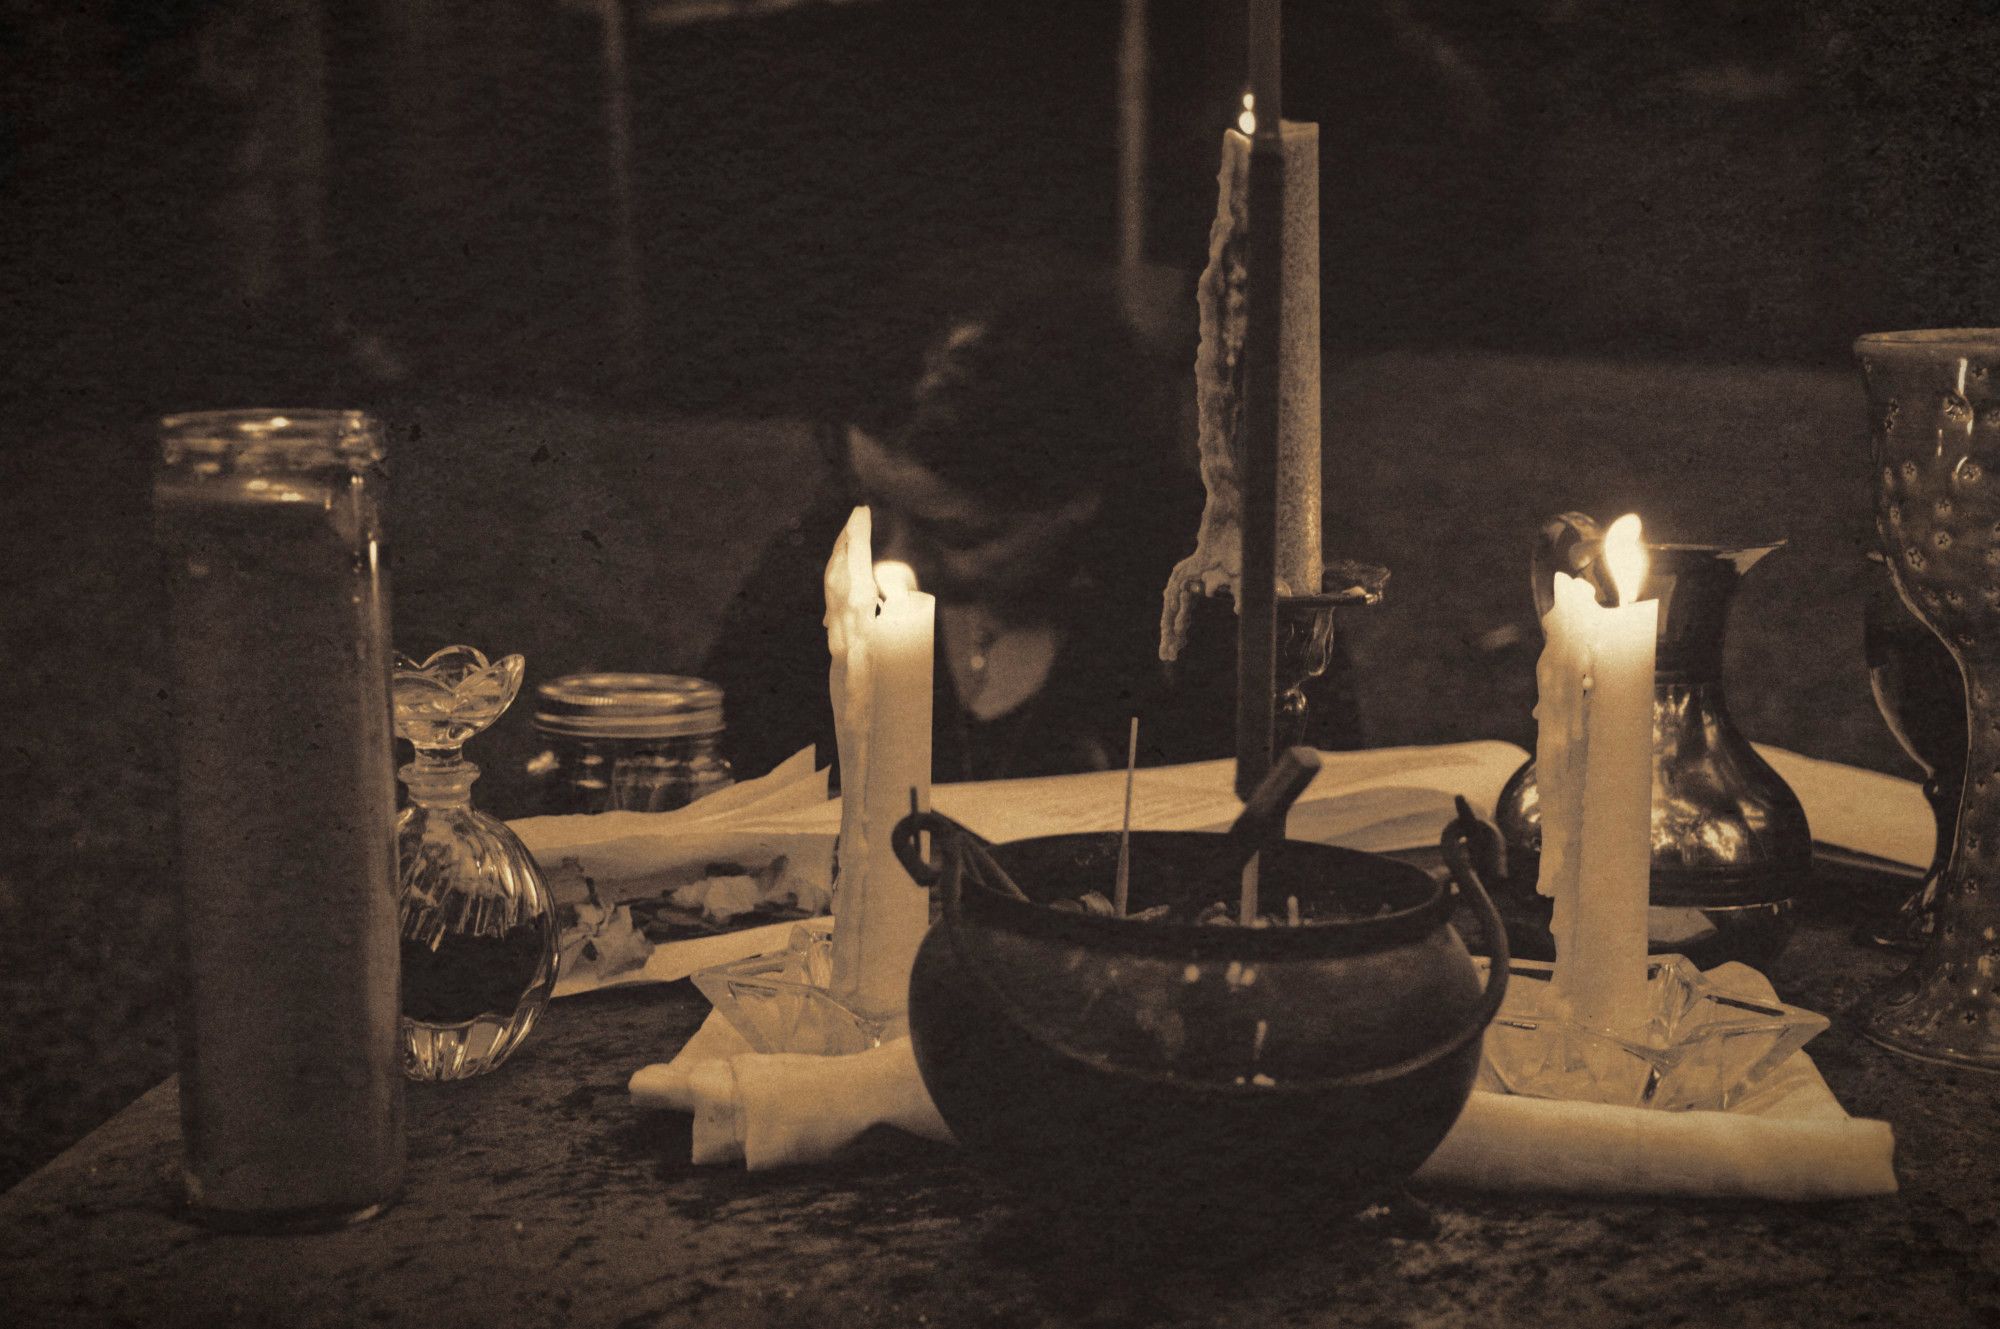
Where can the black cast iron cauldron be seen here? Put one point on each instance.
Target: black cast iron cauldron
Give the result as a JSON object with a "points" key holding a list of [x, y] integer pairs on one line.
{"points": [[1108, 1063]]}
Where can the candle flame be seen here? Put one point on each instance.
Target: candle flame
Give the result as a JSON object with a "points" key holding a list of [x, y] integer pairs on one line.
{"points": [[1625, 556], [1247, 121], [893, 578]]}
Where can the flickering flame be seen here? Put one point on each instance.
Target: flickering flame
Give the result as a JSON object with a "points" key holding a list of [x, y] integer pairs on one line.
{"points": [[894, 579], [1247, 121], [1625, 557]]}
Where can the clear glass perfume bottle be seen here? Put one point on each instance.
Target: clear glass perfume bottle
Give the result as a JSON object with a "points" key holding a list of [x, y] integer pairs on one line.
{"points": [[479, 937]]}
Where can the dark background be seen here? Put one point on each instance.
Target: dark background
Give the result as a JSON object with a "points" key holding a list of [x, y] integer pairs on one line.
{"points": [[1575, 253]]}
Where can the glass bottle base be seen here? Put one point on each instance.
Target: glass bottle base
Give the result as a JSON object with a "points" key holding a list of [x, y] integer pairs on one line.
{"points": [[470, 1047]]}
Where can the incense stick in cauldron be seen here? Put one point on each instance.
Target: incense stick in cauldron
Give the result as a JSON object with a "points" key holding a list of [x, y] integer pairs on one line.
{"points": [[1262, 820], [1121, 891]]}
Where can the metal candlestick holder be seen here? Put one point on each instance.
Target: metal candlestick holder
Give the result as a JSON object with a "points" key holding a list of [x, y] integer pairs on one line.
{"points": [[1304, 645]]}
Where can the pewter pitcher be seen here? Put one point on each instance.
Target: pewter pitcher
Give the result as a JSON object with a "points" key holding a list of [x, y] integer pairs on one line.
{"points": [[1731, 849]]}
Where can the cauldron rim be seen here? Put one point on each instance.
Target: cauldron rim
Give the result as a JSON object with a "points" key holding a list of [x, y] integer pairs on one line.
{"points": [[1430, 905]]}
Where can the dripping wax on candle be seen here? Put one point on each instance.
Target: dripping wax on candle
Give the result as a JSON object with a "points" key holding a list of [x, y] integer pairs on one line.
{"points": [[880, 914], [1594, 758]]}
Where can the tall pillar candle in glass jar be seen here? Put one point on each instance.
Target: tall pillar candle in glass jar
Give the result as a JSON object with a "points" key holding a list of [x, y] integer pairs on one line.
{"points": [[291, 1093]]}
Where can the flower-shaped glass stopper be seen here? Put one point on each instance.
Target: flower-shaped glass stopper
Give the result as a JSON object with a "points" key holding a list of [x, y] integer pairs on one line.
{"points": [[451, 696]]}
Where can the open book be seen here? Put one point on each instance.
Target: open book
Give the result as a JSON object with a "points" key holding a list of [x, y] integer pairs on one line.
{"points": [[1381, 800], [654, 896]]}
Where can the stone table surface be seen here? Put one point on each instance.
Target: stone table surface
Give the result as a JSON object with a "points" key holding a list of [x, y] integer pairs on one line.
{"points": [[540, 1196]]}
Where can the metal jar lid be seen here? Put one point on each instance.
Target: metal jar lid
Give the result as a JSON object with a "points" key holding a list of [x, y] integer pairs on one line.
{"points": [[628, 706]]}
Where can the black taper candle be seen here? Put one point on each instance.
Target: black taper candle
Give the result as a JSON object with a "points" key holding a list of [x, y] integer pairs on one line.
{"points": [[1256, 586]]}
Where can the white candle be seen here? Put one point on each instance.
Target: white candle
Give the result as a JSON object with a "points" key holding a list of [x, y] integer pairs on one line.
{"points": [[1220, 299], [1594, 770], [1300, 497], [899, 910], [880, 913], [851, 598]]}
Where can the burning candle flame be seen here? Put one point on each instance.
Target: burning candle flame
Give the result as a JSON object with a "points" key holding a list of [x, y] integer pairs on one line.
{"points": [[894, 579], [1625, 557], [1247, 121]]}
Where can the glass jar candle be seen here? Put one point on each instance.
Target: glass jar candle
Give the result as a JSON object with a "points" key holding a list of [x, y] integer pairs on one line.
{"points": [[291, 1095]]}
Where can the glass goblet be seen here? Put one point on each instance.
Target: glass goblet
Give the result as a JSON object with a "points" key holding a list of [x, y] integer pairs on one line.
{"points": [[1934, 404]]}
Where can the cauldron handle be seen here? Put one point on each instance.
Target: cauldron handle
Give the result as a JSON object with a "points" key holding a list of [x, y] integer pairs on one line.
{"points": [[967, 847], [1458, 856], [950, 874], [907, 840]]}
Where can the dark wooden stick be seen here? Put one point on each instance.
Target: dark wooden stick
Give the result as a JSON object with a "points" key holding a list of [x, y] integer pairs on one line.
{"points": [[1121, 889], [1262, 822], [1256, 586], [1266, 60]]}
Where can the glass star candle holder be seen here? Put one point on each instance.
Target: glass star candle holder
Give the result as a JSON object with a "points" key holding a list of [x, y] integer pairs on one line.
{"points": [[1699, 1046], [780, 1002]]}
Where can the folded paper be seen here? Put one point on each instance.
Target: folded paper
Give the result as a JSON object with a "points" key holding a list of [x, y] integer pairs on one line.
{"points": [[598, 865], [1506, 1143], [628, 855], [772, 1110], [1792, 1143]]}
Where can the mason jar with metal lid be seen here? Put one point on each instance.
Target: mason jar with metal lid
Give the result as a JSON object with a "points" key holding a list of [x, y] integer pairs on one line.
{"points": [[626, 742]]}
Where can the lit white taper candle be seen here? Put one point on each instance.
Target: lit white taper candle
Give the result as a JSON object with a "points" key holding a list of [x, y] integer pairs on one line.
{"points": [[1594, 767], [880, 630]]}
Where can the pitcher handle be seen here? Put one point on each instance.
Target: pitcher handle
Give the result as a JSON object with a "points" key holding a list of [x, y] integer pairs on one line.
{"points": [[1566, 543]]}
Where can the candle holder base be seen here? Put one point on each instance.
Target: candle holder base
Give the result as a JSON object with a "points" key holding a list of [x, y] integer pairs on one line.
{"points": [[779, 1002], [1702, 1045]]}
